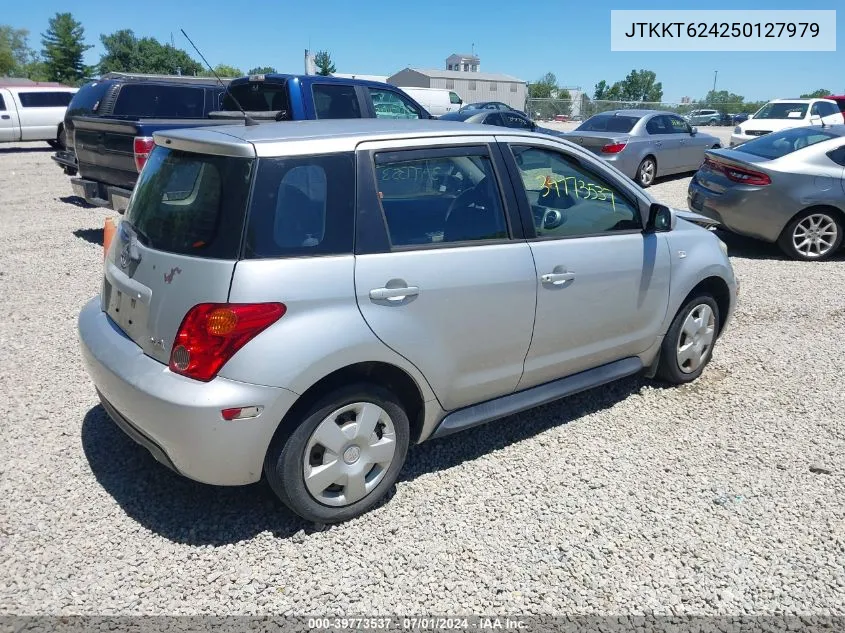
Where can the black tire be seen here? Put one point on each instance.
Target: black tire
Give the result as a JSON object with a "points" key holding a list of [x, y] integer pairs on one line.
{"points": [[713, 122], [669, 369], [54, 144], [787, 243], [62, 138], [642, 176], [283, 465]]}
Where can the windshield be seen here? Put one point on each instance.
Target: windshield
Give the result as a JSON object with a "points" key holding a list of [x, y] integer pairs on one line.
{"points": [[780, 144], [193, 204], [782, 111], [608, 123]]}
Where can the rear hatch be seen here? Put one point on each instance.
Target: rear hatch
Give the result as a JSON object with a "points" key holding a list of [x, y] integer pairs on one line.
{"points": [[177, 245]]}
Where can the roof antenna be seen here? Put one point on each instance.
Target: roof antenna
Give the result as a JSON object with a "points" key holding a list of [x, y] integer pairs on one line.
{"points": [[247, 119]]}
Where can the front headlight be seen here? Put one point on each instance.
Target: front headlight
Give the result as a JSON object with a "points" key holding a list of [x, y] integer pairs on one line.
{"points": [[737, 130]]}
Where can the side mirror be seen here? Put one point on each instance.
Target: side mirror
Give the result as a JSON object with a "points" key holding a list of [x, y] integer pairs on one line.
{"points": [[659, 218], [693, 131]]}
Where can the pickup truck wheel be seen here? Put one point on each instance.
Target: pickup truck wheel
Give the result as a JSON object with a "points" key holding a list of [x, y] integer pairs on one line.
{"points": [[688, 345], [62, 138], [343, 457]]}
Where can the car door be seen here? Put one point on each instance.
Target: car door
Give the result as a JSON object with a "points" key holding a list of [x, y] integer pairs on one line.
{"points": [[663, 144], [690, 148], [603, 283], [441, 275], [10, 129]]}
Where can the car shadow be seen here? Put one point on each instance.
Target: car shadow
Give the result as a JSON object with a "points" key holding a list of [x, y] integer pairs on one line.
{"points": [[748, 247], [25, 150], [77, 202], [189, 512], [95, 236]]}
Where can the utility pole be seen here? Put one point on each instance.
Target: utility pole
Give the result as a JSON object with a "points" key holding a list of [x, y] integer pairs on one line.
{"points": [[715, 74]]}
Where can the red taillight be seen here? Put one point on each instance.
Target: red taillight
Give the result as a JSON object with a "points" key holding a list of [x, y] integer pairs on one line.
{"points": [[142, 147], [613, 148], [211, 333], [739, 174]]}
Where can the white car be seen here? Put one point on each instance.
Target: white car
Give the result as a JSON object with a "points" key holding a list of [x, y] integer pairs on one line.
{"points": [[781, 114], [34, 113], [438, 101]]}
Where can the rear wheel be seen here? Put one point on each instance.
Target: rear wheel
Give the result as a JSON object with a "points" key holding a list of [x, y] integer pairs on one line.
{"points": [[813, 235], [713, 122], [688, 345], [646, 172], [344, 456]]}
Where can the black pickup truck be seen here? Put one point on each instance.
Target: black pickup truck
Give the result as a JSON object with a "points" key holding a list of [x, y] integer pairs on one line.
{"points": [[111, 150]]}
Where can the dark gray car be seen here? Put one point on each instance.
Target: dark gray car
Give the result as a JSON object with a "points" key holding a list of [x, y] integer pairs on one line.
{"points": [[786, 187], [644, 144]]}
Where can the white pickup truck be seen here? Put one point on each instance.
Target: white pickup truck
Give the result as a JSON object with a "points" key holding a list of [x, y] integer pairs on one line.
{"points": [[34, 113]]}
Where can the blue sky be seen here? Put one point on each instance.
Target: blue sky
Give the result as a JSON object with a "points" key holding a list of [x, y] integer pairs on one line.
{"points": [[568, 38]]}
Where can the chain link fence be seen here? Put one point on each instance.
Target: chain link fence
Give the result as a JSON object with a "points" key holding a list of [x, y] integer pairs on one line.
{"points": [[584, 107]]}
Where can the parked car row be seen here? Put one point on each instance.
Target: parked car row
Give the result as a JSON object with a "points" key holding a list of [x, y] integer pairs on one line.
{"points": [[350, 250], [34, 113], [781, 114]]}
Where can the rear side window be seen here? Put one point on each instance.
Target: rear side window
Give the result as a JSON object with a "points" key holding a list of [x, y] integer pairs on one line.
{"points": [[779, 144], [436, 199], [2, 103], [45, 99], [336, 101], [193, 204], [88, 99], [159, 101], [302, 206]]}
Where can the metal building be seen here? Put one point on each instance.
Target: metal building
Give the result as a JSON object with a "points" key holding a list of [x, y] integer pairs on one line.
{"points": [[471, 86]]}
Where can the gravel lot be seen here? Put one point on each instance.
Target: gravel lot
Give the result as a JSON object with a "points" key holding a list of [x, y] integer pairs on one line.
{"points": [[629, 499]]}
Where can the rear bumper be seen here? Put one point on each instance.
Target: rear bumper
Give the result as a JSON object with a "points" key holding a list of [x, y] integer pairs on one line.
{"points": [[100, 194], [178, 419], [742, 211], [66, 160]]}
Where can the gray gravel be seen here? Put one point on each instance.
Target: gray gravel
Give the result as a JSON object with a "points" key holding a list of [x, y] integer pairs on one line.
{"points": [[629, 499]]}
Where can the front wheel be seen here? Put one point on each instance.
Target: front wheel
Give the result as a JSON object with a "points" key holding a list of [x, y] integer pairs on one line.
{"points": [[646, 172], [688, 345], [813, 235], [343, 457]]}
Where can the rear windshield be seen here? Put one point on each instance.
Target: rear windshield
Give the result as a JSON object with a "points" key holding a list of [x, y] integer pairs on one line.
{"points": [[160, 101], [779, 144], [608, 123], [192, 204], [257, 96], [782, 111], [88, 99]]}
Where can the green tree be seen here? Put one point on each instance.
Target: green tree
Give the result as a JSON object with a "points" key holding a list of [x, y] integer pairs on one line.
{"points": [[124, 52], [262, 70], [725, 101], [816, 94], [544, 87], [600, 92], [15, 53], [223, 70], [641, 85], [64, 45], [324, 63]]}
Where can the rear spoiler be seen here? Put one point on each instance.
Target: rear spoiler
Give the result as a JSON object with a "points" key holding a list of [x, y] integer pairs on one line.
{"points": [[696, 218]]}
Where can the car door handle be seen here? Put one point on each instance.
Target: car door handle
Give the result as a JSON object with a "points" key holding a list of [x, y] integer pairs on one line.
{"points": [[557, 278], [379, 294], [658, 142], [5, 117]]}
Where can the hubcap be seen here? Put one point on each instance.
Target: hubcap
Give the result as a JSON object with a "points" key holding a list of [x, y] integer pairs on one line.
{"points": [[348, 454], [815, 235], [647, 172], [696, 338]]}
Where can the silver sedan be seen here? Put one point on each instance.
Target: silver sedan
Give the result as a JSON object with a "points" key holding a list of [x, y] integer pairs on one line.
{"points": [[644, 144], [786, 187]]}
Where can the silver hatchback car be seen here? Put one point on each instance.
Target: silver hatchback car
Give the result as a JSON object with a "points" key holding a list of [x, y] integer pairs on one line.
{"points": [[305, 300]]}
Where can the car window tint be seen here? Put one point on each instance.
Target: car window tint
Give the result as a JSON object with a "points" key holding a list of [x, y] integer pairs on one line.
{"points": [[152, 100], [391, 105], [837, 155], [88, 99], [569, 200], [779, 144], [514, 120], [494, 119], [2, 103], [678, 125], [657, 125], [454, 98], [336, 101], [442, 199], [256, 96], [301, 206], [609, 123], [45, 99]]}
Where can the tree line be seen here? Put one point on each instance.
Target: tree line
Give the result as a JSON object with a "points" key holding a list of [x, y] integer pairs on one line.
{"points": [[63, 47]]}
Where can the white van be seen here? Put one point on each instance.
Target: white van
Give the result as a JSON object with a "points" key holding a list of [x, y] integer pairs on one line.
{"points": [[438, 101], [34, 113], [780, 114]]}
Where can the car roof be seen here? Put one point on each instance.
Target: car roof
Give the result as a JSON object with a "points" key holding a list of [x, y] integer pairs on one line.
{"points": [[327, 136], [633, 112], [800, 100], [40, 88]]}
